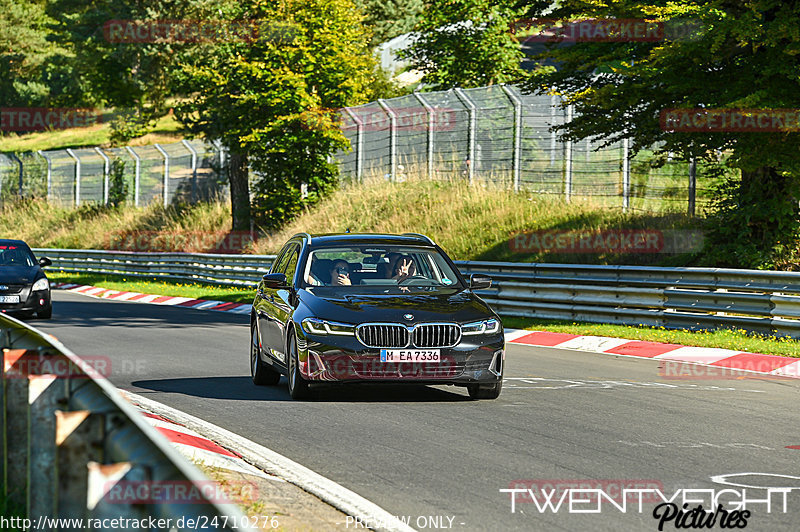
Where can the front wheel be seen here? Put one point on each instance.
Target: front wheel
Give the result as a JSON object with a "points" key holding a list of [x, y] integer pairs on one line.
{"points": [[261, 373], [298, 386], [485, 391]]}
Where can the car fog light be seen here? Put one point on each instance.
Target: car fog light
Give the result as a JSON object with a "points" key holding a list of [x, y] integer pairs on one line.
{"points": [[41, 302]]}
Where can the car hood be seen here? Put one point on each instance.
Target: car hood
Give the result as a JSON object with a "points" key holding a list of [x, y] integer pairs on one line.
{"points": [[441, 304], [18, 274]]}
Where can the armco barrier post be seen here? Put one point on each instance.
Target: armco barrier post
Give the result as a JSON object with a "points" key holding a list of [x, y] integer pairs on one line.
{"points": [[15, 388], [45, 394], [78, 434]]}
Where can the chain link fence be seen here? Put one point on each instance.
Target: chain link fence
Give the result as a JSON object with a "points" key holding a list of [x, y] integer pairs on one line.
{"points": [[489, 134], [186, 171], [498, 134]]}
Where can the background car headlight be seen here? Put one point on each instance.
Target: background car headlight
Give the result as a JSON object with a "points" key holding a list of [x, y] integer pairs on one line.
{"points": [[41, 284], [481, 327], [318, 326]]}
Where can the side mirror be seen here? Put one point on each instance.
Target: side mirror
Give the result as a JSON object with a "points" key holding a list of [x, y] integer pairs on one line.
{"points": [[478, 281], [44, 261], [275, 280]]}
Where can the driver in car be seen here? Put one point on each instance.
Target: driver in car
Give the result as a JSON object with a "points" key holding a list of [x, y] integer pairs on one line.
{"points": [[404, 268]]}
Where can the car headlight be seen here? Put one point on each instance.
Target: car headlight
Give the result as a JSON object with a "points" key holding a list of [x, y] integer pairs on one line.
{"points": [[481, 327], [318, 326], [41, 284]]}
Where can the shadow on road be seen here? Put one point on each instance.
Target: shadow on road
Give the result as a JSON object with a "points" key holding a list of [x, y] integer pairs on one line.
{"points": [[242, 388]]}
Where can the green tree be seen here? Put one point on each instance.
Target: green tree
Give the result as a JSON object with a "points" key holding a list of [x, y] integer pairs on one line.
{"points": [[28, 60], [273, 102], [736, 54], [390, 18], [467, 43]]}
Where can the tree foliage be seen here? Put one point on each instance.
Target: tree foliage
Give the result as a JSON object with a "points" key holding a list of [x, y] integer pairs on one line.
{"points": [[467, 43], [736, 54], [390, 18], [272, 101]]}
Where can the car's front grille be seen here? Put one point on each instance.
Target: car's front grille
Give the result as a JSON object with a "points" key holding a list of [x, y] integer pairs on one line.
{"points": [[383, 335], [436, 335], [395, 335], [10, 288]]}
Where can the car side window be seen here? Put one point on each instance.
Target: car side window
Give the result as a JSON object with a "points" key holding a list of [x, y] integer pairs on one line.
{"points": [[280, 262], [291, 264]]}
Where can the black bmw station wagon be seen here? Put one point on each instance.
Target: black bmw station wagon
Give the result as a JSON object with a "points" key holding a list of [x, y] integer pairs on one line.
{"points": [[373, 308]]}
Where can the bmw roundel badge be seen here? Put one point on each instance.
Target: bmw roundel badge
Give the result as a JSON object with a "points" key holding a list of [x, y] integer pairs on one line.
{"points": [[408, 316]]}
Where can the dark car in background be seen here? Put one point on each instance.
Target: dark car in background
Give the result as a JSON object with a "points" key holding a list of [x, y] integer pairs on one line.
{"points": [[24, 288], [373, 308]]}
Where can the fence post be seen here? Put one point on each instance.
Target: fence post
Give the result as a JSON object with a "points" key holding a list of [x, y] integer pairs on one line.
{"points": [[568, 161], [392, 137], [359, 148], [553, 136], [692, 185], [77, 177], [19, 162], [137, 173], [431, 123], [515, 158], [473, 127], [106, 170], [626, 174], [194, 167], [49, 173], [166, 173]]}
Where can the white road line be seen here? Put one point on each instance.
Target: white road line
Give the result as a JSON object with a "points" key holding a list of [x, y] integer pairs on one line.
{"points": [[329, 491]]}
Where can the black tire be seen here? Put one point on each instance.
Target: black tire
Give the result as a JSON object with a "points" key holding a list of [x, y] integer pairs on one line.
{"points": [[298, 386], [45, 314], [485, 391], [261, 373]]}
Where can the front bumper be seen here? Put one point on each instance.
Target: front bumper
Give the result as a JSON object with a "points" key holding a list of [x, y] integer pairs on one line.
{"points": [[29, 301], [344, 359]]}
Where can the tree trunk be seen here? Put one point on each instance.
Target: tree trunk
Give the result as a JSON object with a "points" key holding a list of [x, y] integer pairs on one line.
{"points": [[238, 174]]}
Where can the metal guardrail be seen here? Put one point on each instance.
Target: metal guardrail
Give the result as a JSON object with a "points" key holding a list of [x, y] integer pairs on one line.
{"points": [[694, 298], [70, 438]]}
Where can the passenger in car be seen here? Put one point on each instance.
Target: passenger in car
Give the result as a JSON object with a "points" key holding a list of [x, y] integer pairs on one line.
{"points": [[340, 274], [404, 268]]}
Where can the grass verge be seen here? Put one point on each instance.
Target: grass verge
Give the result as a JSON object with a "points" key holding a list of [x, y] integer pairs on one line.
{"points": [[149, 285], [736, 339], [471, 222], [724, 338]]}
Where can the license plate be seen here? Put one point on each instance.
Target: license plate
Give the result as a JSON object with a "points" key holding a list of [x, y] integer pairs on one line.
{"points": [[411, 355], [9, 299]]}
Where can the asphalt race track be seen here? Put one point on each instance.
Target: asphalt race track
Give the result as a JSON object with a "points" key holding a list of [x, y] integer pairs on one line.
{"points": [[432, 454]]}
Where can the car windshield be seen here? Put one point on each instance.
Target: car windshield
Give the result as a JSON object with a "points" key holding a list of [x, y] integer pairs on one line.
{"points": [[378, 266], [11, 255]]}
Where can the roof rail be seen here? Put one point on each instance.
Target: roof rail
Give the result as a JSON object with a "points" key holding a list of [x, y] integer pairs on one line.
{"points": [[424, 237], [304, 235]]}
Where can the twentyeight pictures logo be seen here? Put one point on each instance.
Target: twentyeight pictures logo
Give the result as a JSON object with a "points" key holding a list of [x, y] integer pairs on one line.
{"points": [[678, 508]]}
